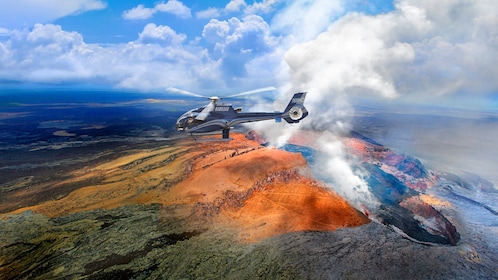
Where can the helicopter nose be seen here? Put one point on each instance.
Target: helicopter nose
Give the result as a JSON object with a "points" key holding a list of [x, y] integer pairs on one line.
{"points": [[181, 124]]}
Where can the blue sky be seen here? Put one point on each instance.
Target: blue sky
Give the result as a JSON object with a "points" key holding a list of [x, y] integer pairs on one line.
{"points": [[116, 23], [404, 49], [121, 26]]}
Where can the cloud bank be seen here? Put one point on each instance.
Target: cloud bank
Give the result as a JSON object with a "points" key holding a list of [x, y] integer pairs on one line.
{"points": [[29, 12], [420, 48], [174, 7]]}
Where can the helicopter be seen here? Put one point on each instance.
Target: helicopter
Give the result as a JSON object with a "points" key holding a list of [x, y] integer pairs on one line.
{"points": [[216, 117]]}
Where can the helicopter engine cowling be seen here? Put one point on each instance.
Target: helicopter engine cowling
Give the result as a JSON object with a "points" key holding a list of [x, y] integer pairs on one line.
{"points": [[296, 113]]}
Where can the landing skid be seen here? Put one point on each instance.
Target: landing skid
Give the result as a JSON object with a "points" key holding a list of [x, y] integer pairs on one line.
{"points": [[225, 136], [225, 133], [200, 140]]}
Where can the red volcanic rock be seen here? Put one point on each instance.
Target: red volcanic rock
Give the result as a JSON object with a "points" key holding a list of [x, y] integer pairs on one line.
{"points": [[431, 219], [258, 192], [405, 168], [238, 173], [261, 193], [298, 204], [393, 177]]}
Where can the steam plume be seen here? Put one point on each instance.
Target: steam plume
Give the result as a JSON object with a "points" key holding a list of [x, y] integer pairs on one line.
{"points": [[418, 50]]}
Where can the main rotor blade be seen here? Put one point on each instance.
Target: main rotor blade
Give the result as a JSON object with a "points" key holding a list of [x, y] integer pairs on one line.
{"points": [[184, 92], [253, 91]]}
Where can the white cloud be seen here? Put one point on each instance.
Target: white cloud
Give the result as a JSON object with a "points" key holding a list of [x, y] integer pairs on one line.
{"points": [[353, 53], [4, 31], [239, 7], [457, 54], [421, 48], [139, 12], [44, 54], [263, 7], [174, 7], [304, 20], [209, 13], [161, 35], [159, 58], [48, 54], [25, 13], [215, 31], [235, 5], [236, 43]]}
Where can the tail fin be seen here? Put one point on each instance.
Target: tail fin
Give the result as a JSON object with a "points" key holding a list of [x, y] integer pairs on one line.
{"points": [[295, 111]]}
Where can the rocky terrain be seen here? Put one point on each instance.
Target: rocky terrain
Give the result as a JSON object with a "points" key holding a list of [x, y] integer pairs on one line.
{"points": [[185, 209]]}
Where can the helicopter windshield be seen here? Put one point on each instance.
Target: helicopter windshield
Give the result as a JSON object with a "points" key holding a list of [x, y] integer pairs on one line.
{"points": [[187, 118]]}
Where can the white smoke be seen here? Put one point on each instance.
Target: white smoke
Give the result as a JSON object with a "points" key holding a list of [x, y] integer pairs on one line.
{"points": [[418, 50], [335, 166], [421, 48]]}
